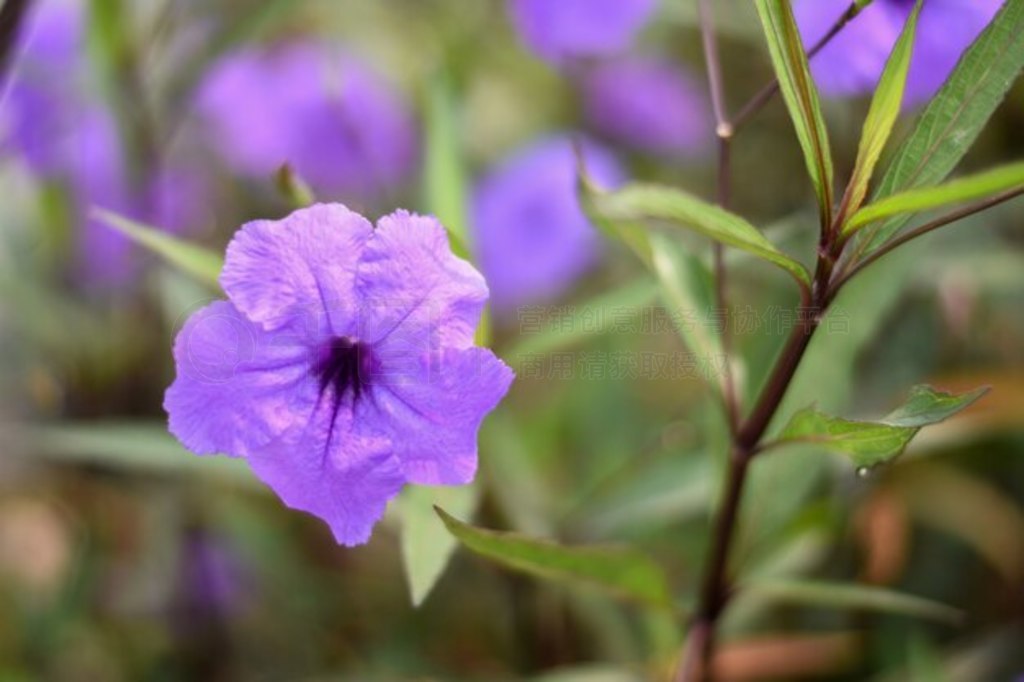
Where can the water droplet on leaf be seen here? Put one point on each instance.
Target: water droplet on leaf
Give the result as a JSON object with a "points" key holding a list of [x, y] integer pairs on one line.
{"points": [[863, 472]]}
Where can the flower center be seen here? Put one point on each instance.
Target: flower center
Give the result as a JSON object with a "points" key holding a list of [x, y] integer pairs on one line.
{"points": [[344, 365]]}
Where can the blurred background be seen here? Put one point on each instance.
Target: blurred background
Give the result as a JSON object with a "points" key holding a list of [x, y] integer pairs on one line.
{"points": [[123, 557]]}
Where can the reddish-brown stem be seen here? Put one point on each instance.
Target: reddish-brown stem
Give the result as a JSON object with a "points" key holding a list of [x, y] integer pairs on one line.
{"points": [[724, 132], [746, 436], [715, 589]]}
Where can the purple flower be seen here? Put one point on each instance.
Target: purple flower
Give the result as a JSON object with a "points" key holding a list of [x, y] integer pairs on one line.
{"points": [[338, 125], [649, 104], [62, 136], [342, 366], [531, 235], [852, 63], [564, 29], [35, 107]]}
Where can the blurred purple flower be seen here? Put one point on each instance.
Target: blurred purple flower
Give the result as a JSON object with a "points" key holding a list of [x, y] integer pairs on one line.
{"points": [[35, 107], [214, 575], [852, 63], [563, 29], [648, 103], [48, 121], [63, 138], [343, 366], [531, 235], [339, 126]]}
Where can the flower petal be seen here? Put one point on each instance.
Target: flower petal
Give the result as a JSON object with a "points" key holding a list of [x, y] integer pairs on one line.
{"points": [[237, 386], [414, 290], [337, 468], [433, 412], [299, 270]]}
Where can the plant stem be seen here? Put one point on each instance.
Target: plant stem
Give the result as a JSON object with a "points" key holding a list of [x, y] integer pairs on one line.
{"points": [[757, 102], [12, 16], [698, 652], [715, 591], [724, 177]]}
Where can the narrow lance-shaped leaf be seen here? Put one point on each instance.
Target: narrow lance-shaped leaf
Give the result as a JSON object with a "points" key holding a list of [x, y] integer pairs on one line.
{"points": [[687, 289], [956, 115], [426, 545], [203, 264], [643, 203], [885, 107], [142, 447], [851, 596], [977, 186], [621, 571], [868, 444], [801, 96]]}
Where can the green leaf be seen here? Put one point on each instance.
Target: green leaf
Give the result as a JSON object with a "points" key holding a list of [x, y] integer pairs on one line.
{"points": [[852, 596], [885, 107], [203, 264], [871, 443], [926, 406], [445, 175], [426, 545], [645, 203], [866, 443], [801, 96], [134, 446], [621, 571], [977, 186], [956, 115], [687, 286]]}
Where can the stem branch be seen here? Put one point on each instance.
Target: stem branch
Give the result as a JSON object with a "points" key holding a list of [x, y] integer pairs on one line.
{"points": [[723, 130]]}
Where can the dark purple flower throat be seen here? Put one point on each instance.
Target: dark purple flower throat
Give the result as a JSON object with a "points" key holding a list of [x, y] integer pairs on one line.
{"points": [[344, 365]]}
